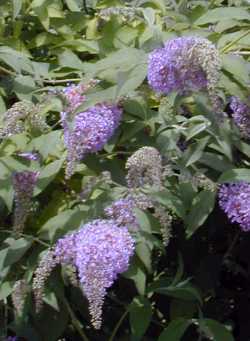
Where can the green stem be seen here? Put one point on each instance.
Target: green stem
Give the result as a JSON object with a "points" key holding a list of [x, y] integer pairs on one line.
{"points": [[232, 43], [8, 72], [75, 321], [37, 240], [112, 337], [231, 246], [59, 81]]}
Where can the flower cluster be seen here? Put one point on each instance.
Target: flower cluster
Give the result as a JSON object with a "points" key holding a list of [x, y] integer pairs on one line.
{"points": [[144, 168], [91, 130], [123, 13], [234, 200], [14, 119], [18, 296], [75, 94], [122, 211], [99, 251], [23, 183], [42, 273], [241, 115], [29, 156], [184, 64]]}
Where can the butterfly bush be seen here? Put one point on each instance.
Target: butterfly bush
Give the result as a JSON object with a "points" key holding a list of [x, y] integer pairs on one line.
{"points": [[99, 251], [234, 200], [19, 294], [241, 115], [24, 111], [184, 64], [23, 183], [122, 211]]}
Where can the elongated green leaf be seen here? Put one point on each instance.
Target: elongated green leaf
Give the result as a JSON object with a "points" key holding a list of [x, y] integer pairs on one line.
{"points": [[215, 330], [202, 206], [175, 330], [140, 316], [235, 175], [17, 248], [219, 14], [17, 6]]}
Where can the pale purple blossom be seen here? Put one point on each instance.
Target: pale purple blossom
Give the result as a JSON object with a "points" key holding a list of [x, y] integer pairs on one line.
{"points": [[241, 115], [23, 183], [184, 64], [89, 132], [234, 199]]}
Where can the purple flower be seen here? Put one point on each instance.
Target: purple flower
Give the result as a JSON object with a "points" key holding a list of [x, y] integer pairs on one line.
{"points": [[234, 199], [12, 338], [241, 115], [103, 251], [23, 183], [122, 211], [183, 64], [91, 130], [74, 94], [98, 252]]}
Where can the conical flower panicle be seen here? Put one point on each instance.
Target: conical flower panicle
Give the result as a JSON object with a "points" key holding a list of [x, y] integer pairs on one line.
{"points": [[185, 64], [90, 131], [241, 116], [98, 252], [144, 168], [23, 183]]}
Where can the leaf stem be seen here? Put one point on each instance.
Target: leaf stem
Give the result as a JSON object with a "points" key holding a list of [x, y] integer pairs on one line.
{"points": [[112, 337], [76, 323], [37, 240], [232, 43], [59, 81], [8, 72]]}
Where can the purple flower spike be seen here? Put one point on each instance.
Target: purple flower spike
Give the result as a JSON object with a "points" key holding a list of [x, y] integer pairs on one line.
{"points": [[184, 64], [234, 199], [91, 130], [103, 251], [122, 211], [241, 115], [23, 183]]}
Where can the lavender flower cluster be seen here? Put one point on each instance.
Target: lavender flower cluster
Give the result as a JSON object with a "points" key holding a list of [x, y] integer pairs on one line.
{"points": [[14, 119], [234, 200], [99, 251], [91, 130], [241, 115], [184, 64], [23, 183]]}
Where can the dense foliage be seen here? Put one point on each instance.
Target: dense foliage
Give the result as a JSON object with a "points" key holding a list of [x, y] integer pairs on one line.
{"points": [[124, 170]]}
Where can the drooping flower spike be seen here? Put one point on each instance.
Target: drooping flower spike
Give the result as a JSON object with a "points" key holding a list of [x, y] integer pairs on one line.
{"points": [[99, 251], [241, 116]]}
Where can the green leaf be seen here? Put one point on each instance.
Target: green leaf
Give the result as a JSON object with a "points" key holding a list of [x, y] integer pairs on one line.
{"points": [[140, 317], [214, 330], [236, 66], [49, 144], [175, 330], [136, 272], [219, 14], [70, 59], [202, 206], [171, 201], [47, 175], [5, 290], [17, 6], [235, 175], [194, 153], [144, 253], [16, 250], [61, 223], [73, 5]]}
